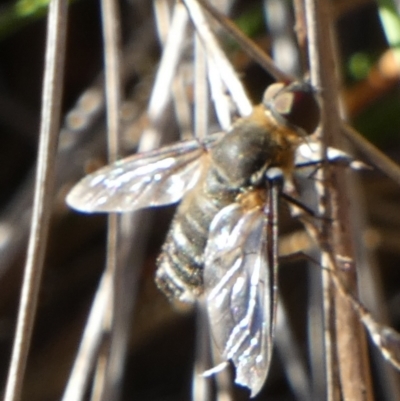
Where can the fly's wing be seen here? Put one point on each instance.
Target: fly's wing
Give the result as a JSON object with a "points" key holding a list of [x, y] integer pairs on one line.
{"points": [[160, 177], [240, 284]]}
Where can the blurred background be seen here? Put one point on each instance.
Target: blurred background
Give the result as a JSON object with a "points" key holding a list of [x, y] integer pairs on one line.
{"points": [[160, 352]]}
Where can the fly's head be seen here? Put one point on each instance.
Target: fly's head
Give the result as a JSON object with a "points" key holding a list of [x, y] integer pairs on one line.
{"points": [[268, 137], [295, 105]]}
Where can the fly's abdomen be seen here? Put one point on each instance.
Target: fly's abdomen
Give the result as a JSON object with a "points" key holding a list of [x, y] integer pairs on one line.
{"points": [[180, 265]]}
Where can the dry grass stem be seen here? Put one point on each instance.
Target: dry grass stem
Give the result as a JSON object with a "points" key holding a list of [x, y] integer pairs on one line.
{"points": [[227, 72], [345, 339], [104, 384], [247, 44], [43, 195]]}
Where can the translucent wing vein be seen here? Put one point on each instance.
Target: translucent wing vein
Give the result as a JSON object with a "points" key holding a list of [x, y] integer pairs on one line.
{"points": [[239, 279], [155, 178]]}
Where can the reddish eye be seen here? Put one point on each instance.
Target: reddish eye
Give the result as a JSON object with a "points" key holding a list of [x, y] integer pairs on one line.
{"points": [[294, 104]]}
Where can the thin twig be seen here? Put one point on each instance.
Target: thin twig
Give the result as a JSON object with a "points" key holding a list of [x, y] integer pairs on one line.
{"points": [[316, 352], [301, 32], [91, 339], [43, 197], [201, 96], [170, 59], [161, 11], [386, 339], [332, 380], [372, 153], [255, 52], [346, 337], [112, 61], [371, 286], [180, 97], [104, 383], [218, 94], [284, 49], [213, 49]]}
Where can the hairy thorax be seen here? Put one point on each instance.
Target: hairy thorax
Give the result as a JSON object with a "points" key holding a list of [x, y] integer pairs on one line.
{"points": [[254, 144]]}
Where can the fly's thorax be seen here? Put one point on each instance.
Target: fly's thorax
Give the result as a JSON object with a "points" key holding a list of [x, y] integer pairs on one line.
{"points": [[254, 144]]}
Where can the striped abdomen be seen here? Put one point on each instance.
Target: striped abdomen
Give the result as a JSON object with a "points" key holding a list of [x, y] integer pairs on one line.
{"points": [[180, 265]]}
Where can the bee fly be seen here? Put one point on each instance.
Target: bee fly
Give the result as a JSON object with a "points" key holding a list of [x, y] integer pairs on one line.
{"points": [[222, 241]]}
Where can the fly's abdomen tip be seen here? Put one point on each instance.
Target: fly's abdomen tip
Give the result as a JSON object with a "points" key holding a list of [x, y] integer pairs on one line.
{"points": [[170, 284]]}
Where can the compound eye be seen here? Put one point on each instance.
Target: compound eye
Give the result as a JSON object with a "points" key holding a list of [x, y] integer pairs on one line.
{"points": [[295, 105]]}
